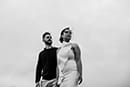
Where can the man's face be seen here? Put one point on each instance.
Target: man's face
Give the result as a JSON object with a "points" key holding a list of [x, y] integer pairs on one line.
{"points": [[48, 39]]}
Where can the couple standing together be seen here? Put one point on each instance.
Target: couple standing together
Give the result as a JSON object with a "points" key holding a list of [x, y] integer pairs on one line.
{"points": [[59, 67]]}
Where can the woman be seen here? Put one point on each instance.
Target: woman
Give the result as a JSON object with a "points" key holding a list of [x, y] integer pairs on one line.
{"points": [[69, 62]]}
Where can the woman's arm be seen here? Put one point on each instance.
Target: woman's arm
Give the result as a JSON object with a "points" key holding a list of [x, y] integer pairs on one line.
{"points": [[57, 68], [77, 53]]}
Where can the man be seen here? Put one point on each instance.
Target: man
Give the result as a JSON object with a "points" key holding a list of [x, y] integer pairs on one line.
{"points": [[47, 63]]}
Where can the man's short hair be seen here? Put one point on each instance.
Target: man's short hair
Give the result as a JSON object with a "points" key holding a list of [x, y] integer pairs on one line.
{"points": [[45, 34]]}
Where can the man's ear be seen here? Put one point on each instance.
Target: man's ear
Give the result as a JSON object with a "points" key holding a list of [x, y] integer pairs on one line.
{"points": [[43, 40]]}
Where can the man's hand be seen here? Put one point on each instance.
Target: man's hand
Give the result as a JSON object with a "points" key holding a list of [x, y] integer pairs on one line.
{"points": [[37, 84]]}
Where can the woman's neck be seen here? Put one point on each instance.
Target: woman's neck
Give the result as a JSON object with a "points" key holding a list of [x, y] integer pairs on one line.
{"points": [[64, 43]]}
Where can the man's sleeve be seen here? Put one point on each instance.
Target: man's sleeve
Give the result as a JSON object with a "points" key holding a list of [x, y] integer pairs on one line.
{"points": [[38, 69]]}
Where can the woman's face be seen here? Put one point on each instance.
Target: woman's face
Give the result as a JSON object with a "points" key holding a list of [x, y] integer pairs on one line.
{"points": [[67, 35]]}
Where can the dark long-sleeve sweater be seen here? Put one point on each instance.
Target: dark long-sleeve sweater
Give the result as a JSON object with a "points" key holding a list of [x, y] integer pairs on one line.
{"points": [[46, 65]]}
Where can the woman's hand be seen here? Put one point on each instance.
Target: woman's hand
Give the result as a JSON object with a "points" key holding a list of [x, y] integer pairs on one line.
{"points": [[80, 79]]}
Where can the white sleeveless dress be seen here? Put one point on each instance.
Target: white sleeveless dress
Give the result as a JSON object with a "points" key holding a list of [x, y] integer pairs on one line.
{"points": [[68, 74]]}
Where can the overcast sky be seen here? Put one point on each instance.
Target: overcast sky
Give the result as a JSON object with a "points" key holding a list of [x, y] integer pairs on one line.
{"points": [[100, 27]]}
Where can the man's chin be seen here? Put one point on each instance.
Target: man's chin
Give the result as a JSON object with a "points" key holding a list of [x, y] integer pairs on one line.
{"points": [[49, 44]]}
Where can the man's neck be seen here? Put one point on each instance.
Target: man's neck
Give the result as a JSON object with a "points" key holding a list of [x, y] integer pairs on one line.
{"points": [[48, 46]]}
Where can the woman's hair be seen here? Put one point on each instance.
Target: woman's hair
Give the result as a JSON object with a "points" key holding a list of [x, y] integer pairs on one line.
{"points": [[61, 39]]}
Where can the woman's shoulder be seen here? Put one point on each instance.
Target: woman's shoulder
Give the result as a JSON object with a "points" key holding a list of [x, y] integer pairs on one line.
{"points": [[74, 45], [58, 49]]}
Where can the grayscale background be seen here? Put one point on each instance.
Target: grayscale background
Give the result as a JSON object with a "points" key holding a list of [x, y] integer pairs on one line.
{"points": [[100, 27]]}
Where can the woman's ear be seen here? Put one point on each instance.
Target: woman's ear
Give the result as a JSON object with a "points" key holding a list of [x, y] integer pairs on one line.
{"points": [[62, 35]]}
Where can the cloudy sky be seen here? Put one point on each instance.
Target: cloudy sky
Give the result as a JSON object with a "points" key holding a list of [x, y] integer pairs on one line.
{"points": [[100, 27]]}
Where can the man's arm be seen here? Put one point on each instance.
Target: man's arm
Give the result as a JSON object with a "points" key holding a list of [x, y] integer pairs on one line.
{"points": [[38, 69]]}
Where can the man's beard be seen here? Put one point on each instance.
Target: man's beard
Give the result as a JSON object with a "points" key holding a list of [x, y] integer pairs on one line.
{"points": [[48, 43]]}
